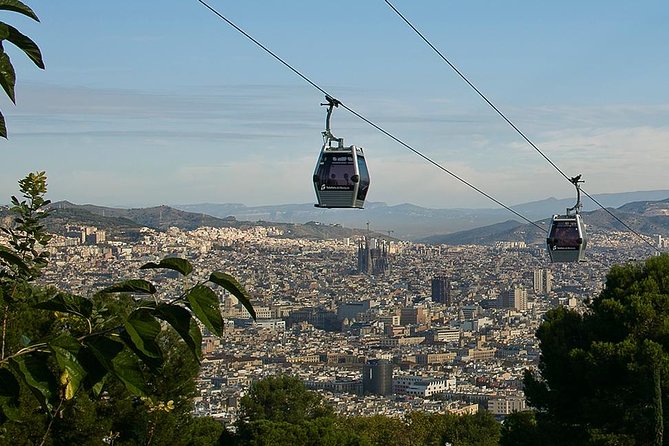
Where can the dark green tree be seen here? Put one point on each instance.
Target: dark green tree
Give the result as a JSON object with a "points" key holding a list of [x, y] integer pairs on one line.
{"points": [[280, 410], [281, 398], [520, 429], [383, 430], [479, 429], [10, 34], [603, 375], [428, 429]]}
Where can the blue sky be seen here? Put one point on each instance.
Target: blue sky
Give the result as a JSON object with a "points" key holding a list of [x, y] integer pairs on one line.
{"points": [[148, 103]]}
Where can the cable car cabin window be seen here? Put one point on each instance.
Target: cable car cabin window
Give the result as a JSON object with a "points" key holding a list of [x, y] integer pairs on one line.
{"points": [[565, 235], [364, 178], [336, 172]]}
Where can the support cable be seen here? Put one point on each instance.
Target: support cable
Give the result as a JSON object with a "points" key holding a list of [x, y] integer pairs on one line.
{"points": [[358, 115], [508, 121], [464, 78]]}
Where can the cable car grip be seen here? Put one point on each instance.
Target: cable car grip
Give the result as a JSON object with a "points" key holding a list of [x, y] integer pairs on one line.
{"points": [[577, 207], [327, 134]]}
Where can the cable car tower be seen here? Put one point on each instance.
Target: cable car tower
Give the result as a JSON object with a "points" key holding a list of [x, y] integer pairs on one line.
{"points": [[341, 179], [567, 239]]}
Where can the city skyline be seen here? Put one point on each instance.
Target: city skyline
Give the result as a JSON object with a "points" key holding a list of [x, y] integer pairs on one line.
{"points": [[324, 322], [141, 106]]}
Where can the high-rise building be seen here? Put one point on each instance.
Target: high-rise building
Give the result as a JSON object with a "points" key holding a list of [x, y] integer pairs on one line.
{"points": [[417, 315], [543, 281], [377, 377], [441, 290], [469, 312], [373, 257], [548, 281], [515, 298]]}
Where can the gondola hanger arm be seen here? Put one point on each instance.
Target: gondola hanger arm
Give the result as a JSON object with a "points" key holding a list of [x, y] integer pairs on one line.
{"points": [[331, 103], [575, 181]]}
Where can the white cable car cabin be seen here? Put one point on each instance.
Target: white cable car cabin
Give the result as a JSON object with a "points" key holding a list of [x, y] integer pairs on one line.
{"points": [[567, 239], [341, 178]]}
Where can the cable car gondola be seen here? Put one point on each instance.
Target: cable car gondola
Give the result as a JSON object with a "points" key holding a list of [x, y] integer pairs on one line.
{"points": [[567, 240], [341, 179]]}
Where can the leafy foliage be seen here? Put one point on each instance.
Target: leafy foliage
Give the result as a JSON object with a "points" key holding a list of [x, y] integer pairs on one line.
{"points": [[24, 43], [604, 375], [520, 429], [91, 350], [24, 259], [65, 349], [281, 398], [279, 410]]}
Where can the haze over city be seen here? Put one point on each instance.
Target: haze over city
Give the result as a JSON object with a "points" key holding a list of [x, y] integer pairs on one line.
{"points": [[144, 104]]}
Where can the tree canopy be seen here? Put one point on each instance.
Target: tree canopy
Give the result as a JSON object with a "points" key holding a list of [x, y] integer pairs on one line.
{"points": [[281, 398], [604, 376], [280, 410]]}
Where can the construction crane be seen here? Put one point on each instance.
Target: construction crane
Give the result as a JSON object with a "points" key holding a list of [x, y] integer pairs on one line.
{"points": [[387, 231]]}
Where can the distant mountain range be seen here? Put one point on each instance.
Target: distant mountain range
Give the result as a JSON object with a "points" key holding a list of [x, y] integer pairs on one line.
{"points": [[126, 223], [410, 222], [644, 217], [406, 221]]}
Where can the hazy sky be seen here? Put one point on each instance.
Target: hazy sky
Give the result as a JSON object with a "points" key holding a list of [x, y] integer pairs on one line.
{"points": [[147, 103]]}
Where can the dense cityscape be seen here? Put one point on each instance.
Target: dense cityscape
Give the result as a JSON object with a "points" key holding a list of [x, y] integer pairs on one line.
{"points": [[267, 324], [377, 326]]}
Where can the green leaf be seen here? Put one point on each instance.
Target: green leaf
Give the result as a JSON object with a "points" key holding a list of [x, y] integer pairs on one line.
{"points": [[9, 393], [23, 42], [183, 323], [32, 368], [121, 363], [143, 328], [104, 350], [98, 386], [7, 74], [183, 266], [68, 303], [131, 286], [12, 259], [17, 6], [151, 362], [96, 372], [66, 349], [230, 283], [204, 303], [129, 371]]}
